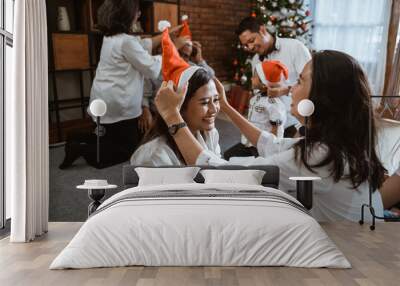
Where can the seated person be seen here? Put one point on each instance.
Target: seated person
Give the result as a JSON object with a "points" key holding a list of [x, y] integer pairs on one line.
{"points": [[267, 113], [199, 108]]}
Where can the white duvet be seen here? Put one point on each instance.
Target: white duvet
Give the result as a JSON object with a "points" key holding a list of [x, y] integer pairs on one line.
{"points": [[200, 231]]}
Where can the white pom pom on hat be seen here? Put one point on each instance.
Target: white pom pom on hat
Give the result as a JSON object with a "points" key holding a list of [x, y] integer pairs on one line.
{"points": [[305, 107], [184, 17], [174, 68], [163, 24]]}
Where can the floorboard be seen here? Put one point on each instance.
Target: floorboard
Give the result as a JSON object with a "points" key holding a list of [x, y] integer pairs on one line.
{"points": [[374, 255]]}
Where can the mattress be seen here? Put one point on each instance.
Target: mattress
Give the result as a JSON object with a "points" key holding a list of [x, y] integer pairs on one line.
{"points": [[201, 225]]}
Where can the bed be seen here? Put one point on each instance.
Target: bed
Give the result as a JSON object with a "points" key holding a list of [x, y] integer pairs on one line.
{"points": [[199, 224]]}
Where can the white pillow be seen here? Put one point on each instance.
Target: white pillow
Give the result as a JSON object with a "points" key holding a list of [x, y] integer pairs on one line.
{"points": [[248, 177], [163, 176]]}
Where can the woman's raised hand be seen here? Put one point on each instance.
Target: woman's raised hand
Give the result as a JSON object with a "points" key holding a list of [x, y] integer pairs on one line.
{"points": [[181, 41], [175, 30], [223, 101], [168, 101]]}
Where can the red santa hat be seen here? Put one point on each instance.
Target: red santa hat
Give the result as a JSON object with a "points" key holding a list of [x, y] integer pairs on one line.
{"points": [[173, 66], [185, 32], [271, 71]]}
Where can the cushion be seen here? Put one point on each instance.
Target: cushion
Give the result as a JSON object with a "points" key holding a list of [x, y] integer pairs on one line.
{"points": [[161, 176], [130, 178], [248, 177]]}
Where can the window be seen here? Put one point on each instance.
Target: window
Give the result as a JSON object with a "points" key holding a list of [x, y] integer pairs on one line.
{"points": [[6, 64], [358, 28]]}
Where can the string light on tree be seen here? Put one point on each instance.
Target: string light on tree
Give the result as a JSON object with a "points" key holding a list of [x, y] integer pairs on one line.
{"points": [[243, 79]]}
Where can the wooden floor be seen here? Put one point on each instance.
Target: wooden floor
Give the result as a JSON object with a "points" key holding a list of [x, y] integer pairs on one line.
{"points": [[374, 255]]}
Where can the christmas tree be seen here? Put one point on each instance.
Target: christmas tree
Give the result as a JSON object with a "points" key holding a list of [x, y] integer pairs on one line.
{"points": [[284, 18]]}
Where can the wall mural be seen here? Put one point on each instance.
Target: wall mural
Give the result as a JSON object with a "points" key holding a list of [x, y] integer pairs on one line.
{"points": [[148, 97]]}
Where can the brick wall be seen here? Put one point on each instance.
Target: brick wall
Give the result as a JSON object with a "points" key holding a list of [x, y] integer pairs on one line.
{"points": [[213, 24]]}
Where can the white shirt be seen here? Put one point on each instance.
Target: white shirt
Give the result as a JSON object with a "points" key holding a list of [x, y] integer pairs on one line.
{"points": [[124, 62], [158, 153], [262, 109], [333, 201], [294, 55]]}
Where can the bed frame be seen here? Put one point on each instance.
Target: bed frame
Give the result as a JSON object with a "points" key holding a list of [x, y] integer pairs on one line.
{"points": [[304, 195], [271, 178]]}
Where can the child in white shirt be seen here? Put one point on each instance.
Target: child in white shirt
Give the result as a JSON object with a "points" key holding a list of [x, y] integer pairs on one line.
{"points": [[267, 113]]}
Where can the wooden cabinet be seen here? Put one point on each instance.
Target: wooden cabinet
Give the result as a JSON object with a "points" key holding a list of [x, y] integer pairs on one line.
{"points": [[70, 51], [154, 12]]}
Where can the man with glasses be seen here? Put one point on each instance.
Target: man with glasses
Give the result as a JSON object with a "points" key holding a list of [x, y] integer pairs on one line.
{"points": [[256, 39]]}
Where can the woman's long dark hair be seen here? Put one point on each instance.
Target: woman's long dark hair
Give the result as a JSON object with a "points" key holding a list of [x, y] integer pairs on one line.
{"points": [[116, 16], [341, 95], [159, 128]]}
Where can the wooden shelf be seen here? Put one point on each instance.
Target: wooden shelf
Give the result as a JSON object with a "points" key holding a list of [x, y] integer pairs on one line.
{"points": [[92, 68], [71, 51], [156, 11]]}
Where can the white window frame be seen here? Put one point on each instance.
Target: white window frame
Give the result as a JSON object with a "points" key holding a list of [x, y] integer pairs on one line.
{"points": [[6, 39]]}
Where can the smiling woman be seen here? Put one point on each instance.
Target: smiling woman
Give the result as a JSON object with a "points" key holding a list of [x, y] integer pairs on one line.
{"points": [[199, 109]]}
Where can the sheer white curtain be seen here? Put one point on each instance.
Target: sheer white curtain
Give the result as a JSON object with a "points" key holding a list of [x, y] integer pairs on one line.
{"points": [[393, 104], [356, 27], [27, 173]]}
